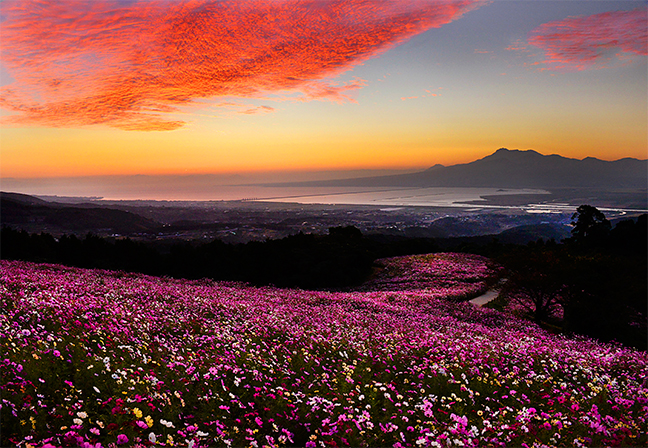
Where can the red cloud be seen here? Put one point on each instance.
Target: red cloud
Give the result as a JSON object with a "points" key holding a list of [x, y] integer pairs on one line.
{"points": [[579, 43], [128, 64]]}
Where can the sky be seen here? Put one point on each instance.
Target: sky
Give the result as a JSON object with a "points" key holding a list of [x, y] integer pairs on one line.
{"points": [[234, 88]]}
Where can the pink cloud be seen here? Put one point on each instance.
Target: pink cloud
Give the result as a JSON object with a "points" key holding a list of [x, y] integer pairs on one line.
{"points": [[130, 64], [258, 110], [592, 42]]}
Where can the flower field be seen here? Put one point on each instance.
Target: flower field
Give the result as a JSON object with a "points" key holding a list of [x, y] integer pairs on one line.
{"points": [[107, 359], [446, 275]]}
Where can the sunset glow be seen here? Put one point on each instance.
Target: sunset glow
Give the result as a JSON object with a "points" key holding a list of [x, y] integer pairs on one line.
{"points": [[250, 86], [129, 65]]}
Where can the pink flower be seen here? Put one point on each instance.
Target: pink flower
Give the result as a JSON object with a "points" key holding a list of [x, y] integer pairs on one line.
{"points": [[121, 439], [56, 353], [142, 424]]}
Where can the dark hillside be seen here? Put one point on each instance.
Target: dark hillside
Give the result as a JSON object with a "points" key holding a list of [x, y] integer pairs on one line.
{"points": [[27, 212]]}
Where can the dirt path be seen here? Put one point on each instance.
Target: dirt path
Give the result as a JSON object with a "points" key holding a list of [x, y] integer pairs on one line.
{"points": [[485, 298]]}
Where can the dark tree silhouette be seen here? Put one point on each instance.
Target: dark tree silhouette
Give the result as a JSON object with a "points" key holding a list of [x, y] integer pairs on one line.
{"points": [[590, 224], [536, 282]]}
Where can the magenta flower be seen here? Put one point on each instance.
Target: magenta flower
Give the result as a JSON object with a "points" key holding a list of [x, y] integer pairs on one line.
{"points": [[396, 342], [56, 353]]}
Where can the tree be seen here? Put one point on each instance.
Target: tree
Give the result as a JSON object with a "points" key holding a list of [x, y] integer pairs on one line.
{"points": [[590, 225], [536, 282]]}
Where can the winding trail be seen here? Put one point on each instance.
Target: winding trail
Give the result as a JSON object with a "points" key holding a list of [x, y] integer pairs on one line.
{"points": [[485, 298]]}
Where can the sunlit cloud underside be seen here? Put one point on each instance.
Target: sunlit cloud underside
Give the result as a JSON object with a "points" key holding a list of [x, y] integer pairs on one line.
{"points": [[131, 65], [593, 42]]}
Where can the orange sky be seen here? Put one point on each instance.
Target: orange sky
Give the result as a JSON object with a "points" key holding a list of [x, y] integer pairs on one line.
{"points": [[182, 87]]}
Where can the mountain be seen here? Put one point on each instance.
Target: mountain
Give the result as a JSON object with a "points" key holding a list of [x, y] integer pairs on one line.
{"points": [[33, 214], [517, 169]]}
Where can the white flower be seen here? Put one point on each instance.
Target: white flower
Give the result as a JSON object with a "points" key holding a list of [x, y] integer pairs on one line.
{"points": [[82, 414], [152, 437], [167, 423]]}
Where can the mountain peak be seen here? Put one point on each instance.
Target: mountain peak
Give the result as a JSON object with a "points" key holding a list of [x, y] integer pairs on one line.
{"points": [[435, 167], [515, 152]]}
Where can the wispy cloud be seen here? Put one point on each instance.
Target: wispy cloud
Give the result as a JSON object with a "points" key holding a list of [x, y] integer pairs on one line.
{"points": [[593, 42], [129, 64], [258, 110]]}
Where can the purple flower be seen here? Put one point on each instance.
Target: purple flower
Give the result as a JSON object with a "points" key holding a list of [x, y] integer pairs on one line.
{"points": [[121, 439], [56, 353]]}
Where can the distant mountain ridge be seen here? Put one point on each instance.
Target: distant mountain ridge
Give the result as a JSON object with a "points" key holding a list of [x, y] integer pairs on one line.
{"points": [[507, 168]]}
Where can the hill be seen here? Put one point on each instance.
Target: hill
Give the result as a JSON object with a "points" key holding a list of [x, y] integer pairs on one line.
{"points": [[100, 357], [30, 213], [507, 168]]}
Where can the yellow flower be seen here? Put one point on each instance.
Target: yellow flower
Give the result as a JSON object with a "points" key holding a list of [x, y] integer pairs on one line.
{"points": [[148, 420], [169, 439], [137, 413]]}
